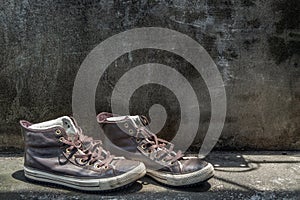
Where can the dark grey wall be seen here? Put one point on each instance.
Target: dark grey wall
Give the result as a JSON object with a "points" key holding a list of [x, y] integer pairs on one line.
{"points": [[255, 45]]}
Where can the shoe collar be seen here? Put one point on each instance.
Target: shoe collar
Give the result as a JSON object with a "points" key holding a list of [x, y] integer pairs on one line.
{"points": [[64, 122]]}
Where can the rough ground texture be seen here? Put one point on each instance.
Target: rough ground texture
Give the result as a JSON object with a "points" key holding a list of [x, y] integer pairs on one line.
{"points": [[254, 43], [247, 175]]}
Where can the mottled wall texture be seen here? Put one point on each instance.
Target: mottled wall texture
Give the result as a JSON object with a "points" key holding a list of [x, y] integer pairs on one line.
{"points": [[254, 43]]}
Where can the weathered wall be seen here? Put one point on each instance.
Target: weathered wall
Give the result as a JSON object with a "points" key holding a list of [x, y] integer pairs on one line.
{"points": [[255, 45]]}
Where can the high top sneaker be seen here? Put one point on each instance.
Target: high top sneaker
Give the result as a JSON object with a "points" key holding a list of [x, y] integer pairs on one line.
{"points": [[57, 152], [130, 137]]}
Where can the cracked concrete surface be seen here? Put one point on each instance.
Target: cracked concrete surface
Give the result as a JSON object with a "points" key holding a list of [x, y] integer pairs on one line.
{"points": [[239, 175]]}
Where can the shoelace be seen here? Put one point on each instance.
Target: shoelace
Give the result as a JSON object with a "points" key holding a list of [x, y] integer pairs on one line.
{"points": [[89, 150], [160, 146]]}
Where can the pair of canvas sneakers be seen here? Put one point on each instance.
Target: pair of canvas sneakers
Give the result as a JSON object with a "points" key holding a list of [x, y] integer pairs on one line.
{"points": [[57, 151]]}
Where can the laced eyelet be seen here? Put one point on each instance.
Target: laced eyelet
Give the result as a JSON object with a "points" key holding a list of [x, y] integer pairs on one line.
{"points": [[150, 151], [78, 146], [58, 132], [81, 161], [61, 139], [67, 150], [97, 166], [126, 125]]}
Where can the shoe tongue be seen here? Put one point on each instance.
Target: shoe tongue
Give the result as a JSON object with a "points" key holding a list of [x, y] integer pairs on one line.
{"points": [[136, 120], [69, 125]]}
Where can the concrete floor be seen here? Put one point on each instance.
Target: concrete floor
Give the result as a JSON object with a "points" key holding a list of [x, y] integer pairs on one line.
{"points": [[239, 175]]}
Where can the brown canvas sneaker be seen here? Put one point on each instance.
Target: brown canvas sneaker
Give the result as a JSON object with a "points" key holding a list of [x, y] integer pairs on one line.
{"points": [[57, 152], [130, 137]]}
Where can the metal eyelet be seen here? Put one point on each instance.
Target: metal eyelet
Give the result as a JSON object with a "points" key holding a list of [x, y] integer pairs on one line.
{"points": [[137, 140], [126, 125], [105, 167], [172, 163], [81, 161], [144, 120], [143, 146], [58, 132], [78, 146], [164, 160], [97, 166], [130, 131], [61, 139], [150, 151], [67, 150]]}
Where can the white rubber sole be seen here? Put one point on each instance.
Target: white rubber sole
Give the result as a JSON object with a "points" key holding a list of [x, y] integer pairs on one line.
{"points": [[183, 179], [85, 183]]}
